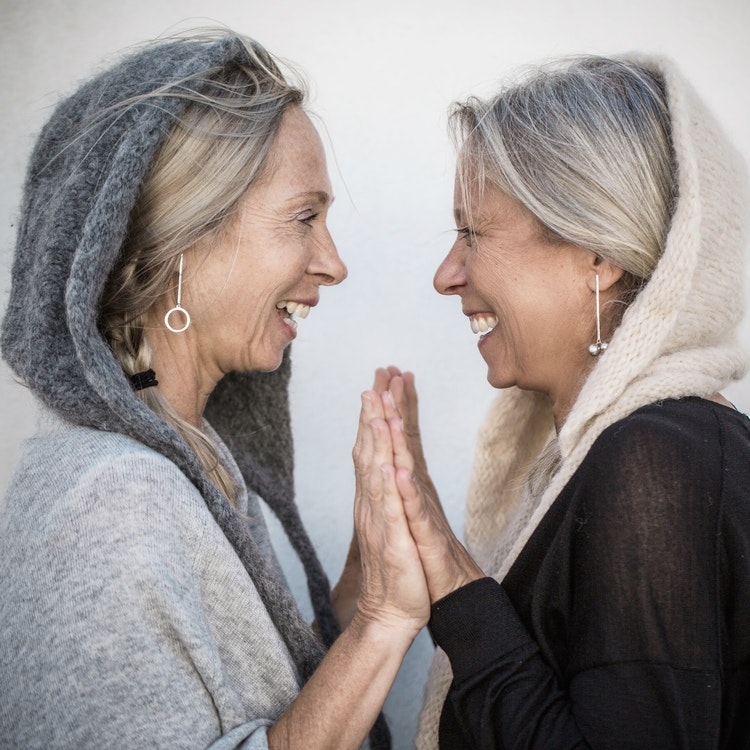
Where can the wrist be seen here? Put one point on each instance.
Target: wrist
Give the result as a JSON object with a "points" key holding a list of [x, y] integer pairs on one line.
{"points": [[461, 571], [384, 631]]}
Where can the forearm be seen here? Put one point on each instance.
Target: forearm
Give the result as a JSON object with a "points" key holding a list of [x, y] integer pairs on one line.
{"points": [[502, 687], [341, 701]]}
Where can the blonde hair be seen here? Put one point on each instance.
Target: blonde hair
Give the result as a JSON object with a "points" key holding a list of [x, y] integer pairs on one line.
{"points": [[217, 148]]}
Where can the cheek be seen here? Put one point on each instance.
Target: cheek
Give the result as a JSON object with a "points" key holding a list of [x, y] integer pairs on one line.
{"points": [[495, 283]]}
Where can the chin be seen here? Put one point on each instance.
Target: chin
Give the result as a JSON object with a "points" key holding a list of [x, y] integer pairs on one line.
{"points": [[271, 364], [266, 360], [500, 380]]}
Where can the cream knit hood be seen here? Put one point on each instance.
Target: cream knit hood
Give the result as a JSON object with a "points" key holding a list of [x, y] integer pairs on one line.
{"points": [[677, 339]]}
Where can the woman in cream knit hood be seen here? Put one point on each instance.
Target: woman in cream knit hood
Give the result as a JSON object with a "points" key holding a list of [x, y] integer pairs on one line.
{"points": [[603, 599]]}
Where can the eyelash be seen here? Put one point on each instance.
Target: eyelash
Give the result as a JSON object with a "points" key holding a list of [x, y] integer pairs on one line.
{"points": [[466, 234], [307, 220]]}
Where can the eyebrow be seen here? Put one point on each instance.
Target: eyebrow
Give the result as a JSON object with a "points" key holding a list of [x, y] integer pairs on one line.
{"points": [[320, 196]]}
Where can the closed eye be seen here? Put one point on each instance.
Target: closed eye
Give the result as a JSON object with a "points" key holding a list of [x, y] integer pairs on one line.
{"points": [[466, 234], [307, 218]]}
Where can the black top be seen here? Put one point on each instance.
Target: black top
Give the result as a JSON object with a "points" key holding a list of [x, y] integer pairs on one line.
{"points": [[625, 620]]}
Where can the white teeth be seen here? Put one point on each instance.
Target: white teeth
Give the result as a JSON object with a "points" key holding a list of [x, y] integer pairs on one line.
{"points": [[294, 308], [482, 323]]}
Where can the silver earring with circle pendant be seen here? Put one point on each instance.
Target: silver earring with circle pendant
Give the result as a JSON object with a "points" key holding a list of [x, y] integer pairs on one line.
{"points": [[178, 308], [598, 346]]}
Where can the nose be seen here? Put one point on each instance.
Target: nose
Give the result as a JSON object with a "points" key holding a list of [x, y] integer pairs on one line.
{"points": [[326, 263], [450, 277]]}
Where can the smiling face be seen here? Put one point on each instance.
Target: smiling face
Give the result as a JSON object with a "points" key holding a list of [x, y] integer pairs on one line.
{"points": [[528, 295], [242, 287]]}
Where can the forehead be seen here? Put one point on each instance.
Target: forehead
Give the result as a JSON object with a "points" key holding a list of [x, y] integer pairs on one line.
{"points": [[296, 161], [473, 196]]}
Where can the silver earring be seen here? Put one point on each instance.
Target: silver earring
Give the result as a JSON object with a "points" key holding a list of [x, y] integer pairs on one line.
{"points": [[178, 308], [597, 348]]}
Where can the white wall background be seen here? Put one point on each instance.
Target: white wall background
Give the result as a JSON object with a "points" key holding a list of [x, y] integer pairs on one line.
{"points": [[382, 75]]}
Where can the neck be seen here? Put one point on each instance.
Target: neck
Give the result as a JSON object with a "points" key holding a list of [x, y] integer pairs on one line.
{"points": [[565, 391], [183, 382]]}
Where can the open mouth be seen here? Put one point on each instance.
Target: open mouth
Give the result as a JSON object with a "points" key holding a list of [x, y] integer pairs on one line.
{"points": [[482, 322], [291, 309]]}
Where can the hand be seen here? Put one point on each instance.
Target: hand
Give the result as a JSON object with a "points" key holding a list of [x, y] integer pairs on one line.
{"points": [[446, 563], [394, 590], [345, 594], [405, 405]]}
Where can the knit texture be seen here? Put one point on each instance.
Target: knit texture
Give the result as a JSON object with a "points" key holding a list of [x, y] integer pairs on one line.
{"points": [[83, 180], [677, 339], [128, 620]]}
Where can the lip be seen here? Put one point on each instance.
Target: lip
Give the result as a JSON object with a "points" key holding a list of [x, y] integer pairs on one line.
{"points": [[309, 302], [483, 338], [291, 330], [478, 311]]}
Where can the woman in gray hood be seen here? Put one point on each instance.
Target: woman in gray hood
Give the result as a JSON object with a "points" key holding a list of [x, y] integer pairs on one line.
{"points": [[174, 222]]}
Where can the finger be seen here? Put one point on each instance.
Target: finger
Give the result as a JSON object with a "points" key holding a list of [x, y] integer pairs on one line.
{"points": [[396, 525], [402, 456], [382, 452], [390, 410], [396, 389], [372, 405], [363, 434], [410, 495], [405, 397], [370, 481], [364, 446], [381, 381], [392, 505], [410, 413], [411, 410]]}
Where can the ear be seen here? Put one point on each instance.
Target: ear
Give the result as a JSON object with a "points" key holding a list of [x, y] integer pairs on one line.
{"points": [[609, 274]]}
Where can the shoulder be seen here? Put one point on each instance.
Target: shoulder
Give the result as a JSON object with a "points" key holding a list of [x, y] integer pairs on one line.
{"points": [[678, 465], [97, 487], [64, 457], [692, 433]]}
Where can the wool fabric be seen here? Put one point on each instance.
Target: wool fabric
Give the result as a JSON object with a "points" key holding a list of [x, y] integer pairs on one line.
{"points": [[677, 339]]}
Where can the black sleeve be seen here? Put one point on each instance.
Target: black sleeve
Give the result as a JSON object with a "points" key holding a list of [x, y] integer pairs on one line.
{"points": [[610, 629], [500, 680]]}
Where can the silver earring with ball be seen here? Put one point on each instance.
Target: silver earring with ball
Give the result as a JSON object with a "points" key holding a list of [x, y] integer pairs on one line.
{"points": [[599, 346], [178, 308]]}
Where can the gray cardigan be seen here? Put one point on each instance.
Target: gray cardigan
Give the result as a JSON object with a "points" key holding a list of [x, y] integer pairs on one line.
{"points": [[129, 623]]}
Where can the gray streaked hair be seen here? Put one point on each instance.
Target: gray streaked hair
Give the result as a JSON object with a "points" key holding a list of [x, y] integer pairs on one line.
{"points": [[584, 144], [215, 150]]}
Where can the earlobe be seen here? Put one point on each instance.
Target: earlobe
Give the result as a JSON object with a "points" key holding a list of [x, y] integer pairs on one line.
{"points": [[609, 274]]}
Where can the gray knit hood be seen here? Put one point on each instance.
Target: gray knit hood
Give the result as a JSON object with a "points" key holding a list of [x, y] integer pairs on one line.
{"points": [[81, 186]]}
